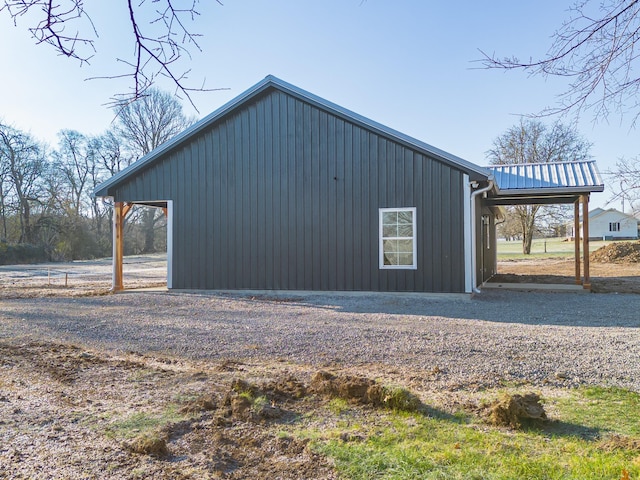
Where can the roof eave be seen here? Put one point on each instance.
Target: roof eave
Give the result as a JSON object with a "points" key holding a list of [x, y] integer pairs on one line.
{"points": [[549, 190]]}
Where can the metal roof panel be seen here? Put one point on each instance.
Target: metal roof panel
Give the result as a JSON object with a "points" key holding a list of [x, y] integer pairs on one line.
{"points": [[557, 177]]}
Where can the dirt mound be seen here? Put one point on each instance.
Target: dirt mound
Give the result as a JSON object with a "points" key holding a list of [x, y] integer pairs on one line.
{"points": [[514, 410], [149, 444], [249, 401], [355, 389], [617, 252], [364, 391], [286, 387], [203, 403]]}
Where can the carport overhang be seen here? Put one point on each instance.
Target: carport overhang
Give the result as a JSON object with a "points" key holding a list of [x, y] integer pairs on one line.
{"points": [[120, 212], [561, 183]]}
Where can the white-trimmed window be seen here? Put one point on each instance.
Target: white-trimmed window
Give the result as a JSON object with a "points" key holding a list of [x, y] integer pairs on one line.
{"points": [[614, 226], [398, 238]]}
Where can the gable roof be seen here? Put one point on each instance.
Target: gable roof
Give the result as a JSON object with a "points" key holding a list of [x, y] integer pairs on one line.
{"points": [[598, 212], [272, 82], [595, 212]]}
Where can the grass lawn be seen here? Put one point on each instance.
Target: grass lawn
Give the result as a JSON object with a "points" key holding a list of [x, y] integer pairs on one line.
{"points": [[593, 433], [545, 248]]}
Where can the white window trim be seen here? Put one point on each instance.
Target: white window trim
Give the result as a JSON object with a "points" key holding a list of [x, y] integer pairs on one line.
{"points": [[382, 266]]}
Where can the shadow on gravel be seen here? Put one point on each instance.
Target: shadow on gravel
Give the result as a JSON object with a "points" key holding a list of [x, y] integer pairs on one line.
{"points": [[527, 308], [501, 306], [531, 308]]}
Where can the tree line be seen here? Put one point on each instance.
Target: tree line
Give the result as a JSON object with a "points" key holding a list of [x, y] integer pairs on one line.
{"points": [[47, 211]]}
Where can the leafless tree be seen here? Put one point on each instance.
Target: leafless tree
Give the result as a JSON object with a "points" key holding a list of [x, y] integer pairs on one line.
{"points": [[531, 141], [510, 228], [76, 160], [595, 48], [111, 152], [144, 125], [159, 29], [111, 157], [625, 183], [150, 121], [23, 161], [4, 189]]}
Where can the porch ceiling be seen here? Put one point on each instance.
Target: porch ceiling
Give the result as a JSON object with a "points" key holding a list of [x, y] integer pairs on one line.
{"points": [[548, 199], [150, 204]]}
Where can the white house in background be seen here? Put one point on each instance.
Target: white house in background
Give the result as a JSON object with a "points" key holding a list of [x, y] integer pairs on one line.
{"points": [[610, 224]]}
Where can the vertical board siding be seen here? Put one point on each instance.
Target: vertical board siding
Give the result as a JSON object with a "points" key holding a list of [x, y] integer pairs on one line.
{"points": [[280, 194]]}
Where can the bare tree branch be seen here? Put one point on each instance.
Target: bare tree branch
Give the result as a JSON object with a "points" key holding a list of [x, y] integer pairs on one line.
{"points": [[625, 183], [52, 27], [598, 53], [159, 44]]}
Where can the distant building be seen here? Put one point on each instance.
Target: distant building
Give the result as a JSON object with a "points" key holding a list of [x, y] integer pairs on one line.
{"points": [[610, 224]]}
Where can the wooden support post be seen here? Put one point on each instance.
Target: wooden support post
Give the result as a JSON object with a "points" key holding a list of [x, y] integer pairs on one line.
{"points": [[585, 241], [576, 239], [126, 209], [118, 245]]}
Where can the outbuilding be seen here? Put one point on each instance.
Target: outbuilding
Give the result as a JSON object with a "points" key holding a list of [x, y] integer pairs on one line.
{"points": [[280, 189], [610, 224]]}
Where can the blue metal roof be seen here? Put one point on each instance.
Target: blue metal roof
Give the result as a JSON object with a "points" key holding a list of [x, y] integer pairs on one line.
{"points": [[557, 177]]}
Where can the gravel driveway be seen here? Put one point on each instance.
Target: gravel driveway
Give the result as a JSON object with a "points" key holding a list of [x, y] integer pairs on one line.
{"points": [[542, 338]]}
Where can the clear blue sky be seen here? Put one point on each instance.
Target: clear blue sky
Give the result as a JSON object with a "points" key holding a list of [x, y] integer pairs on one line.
{"points": [[405, 63]]}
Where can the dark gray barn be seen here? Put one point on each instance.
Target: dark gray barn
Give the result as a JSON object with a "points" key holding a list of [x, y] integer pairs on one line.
{"points": [[282, 190]]}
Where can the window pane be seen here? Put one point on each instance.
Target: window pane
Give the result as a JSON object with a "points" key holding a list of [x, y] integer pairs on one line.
{"points": [[390, 230], [390, 246], [390, 218], [405, 230], [405, 259], [405, 217], [390, 259], [404, 246]]}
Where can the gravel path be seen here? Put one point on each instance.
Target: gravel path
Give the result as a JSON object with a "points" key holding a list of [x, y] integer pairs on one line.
{"points": [[543, 338]]}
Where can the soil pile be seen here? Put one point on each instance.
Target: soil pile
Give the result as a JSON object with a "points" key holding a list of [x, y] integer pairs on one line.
{"points": [[364, 391], [514, 410], [617, 252]]}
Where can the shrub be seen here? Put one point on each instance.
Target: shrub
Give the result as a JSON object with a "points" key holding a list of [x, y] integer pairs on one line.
{"points": [[11, 254]]}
